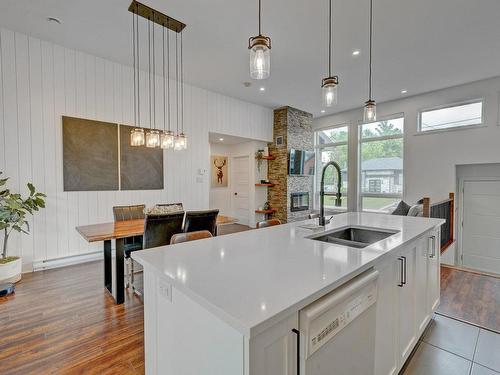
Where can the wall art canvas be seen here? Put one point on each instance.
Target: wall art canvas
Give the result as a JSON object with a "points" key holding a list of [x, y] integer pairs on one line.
{"points": [[219, 175]]}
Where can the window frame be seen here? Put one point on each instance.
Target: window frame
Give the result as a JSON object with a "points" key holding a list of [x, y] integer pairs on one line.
{"points": [[362, 140], [451, 105], [317, 149]]}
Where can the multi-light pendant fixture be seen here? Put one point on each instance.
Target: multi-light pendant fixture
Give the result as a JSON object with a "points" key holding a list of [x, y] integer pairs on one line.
{"points": [[155, 137], [260, 53], [370, 111], [329, 85]]}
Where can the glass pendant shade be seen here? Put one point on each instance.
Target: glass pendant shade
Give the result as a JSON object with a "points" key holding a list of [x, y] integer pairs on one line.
{"points": [[180, 142], [329, 88], [260, 57], [137, 137], [370, 112], [167, 139], [153, 139]]}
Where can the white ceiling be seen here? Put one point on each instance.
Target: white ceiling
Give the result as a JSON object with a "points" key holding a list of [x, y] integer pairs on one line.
{"points": [[420, 45], [226, 139]]}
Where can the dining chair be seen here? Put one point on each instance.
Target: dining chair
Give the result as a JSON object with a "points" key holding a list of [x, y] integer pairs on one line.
{"points": [[158, 230], [201, 220], [123, 213], [190, 236], [268, 223]]}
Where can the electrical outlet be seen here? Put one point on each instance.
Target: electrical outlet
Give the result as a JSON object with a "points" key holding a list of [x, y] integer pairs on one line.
{"points": [[165, 290]]}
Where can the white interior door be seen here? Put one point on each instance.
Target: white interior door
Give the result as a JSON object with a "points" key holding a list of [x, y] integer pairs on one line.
{"points": [[240, 185], [481, 225]]}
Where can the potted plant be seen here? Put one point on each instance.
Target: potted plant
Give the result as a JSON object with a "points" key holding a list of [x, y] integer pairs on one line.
{"points": [[13, 211], [259, 156]]}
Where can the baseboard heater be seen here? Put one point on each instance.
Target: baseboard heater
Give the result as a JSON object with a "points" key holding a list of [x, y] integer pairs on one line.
{"points": [[66, 261]]}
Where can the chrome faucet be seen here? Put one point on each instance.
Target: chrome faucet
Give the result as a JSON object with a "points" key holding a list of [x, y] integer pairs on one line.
{"points": [[338, 195]]}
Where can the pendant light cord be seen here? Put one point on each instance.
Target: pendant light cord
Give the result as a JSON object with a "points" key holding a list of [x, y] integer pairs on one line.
{"points": [[330, 40], [164, 86], [177, 80], [138, 66], [260, 16], [149, 70], [154, 74], [168, 77], [371, 41], [135, 88], [182, 88]]}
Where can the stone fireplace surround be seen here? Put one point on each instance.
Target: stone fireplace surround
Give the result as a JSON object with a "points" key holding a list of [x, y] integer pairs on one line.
{"points": [[295, 128]]}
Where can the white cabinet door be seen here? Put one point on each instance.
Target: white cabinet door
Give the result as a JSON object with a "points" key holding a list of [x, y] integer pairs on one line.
{"points": [[386, 336], [407, 326], [434, 270], [274, 351], [422, 312]]}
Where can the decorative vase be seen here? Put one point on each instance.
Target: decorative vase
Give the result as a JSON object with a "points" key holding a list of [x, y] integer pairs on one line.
{"points": [[10, 272]]}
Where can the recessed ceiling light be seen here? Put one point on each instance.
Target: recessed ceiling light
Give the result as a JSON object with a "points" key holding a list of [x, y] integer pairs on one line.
{"points": [[221, 139], [404, 91], [54, 20], [262, 89], [356, 52], [322, 111]]}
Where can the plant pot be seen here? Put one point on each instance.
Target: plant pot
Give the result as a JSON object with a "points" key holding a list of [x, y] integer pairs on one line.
{"points": [[11, 272]]}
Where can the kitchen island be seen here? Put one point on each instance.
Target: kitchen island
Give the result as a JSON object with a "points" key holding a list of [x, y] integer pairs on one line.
{"points": [[230, 304]]}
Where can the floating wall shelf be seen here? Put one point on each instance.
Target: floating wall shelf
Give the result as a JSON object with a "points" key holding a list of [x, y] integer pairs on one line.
{"points": [[266, 212], [268, 185]]}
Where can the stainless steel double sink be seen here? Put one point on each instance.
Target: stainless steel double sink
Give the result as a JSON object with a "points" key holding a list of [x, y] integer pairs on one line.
{"points": [[354, 236]]}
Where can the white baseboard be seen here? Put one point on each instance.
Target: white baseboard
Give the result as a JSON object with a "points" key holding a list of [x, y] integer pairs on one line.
{"points": [[66, 261]]}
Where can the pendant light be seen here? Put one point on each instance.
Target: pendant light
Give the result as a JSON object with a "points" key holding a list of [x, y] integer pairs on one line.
{"points": [[153, 135], [137, 137], [260, 53], [167, 138], [370, 111], [180, 142], [329, 85]]}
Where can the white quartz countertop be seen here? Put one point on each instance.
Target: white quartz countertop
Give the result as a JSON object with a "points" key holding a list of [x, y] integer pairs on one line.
{"points": [[254, 278]]}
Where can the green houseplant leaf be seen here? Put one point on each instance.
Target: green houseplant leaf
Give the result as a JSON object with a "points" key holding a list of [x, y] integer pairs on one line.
{"points": [[13, 211]]}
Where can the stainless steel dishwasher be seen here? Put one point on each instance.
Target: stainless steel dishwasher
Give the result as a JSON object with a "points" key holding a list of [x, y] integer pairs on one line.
{"points": [[338, 330]]}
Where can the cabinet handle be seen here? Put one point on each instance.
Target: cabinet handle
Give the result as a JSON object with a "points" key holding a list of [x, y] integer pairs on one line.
{"points": [[401, 273], [433, 249], [297, 332], [405, 270]]}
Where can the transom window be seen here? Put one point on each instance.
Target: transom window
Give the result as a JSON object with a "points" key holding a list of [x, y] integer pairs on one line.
{"points": [[381, 164], [457, 115], [332, 145]]}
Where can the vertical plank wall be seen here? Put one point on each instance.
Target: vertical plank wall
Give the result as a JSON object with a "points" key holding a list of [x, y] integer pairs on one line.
{"points": [[40, 82]]}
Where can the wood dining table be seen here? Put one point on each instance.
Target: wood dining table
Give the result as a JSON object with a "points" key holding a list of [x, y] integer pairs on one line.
{"points": [[118, 231]]}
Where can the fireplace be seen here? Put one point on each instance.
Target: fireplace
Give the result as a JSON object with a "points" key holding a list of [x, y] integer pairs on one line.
{"points": [[299, 201]]}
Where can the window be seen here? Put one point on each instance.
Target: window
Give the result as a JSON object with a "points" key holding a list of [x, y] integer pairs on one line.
{"points": [[452, 116], [331, 145], [381, 164]]}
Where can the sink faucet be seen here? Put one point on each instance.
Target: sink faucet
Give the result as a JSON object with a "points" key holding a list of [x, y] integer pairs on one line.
{"points": [[338, 195]]}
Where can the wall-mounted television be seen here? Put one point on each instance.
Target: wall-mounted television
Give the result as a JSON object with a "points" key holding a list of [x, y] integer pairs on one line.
{"points": [[301, 163]]}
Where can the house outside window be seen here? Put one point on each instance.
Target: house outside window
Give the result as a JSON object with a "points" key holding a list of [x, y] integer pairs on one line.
{"points": [[331, 144], [381, 164]]}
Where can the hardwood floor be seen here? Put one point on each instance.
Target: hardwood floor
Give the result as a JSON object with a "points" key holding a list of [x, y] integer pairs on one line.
{"points": [[471, 297], [63, 322]]}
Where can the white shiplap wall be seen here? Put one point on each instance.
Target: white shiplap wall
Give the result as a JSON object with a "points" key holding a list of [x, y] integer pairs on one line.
{"points": [[40, 82]]}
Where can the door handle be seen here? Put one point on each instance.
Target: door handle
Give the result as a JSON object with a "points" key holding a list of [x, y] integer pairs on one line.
{"points": [[405, 270], [235, 193], [297, 332], [433, 249], [401, 273]]}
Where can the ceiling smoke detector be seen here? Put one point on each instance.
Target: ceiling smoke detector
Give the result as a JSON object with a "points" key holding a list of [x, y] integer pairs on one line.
{"points": [[247, 84]]}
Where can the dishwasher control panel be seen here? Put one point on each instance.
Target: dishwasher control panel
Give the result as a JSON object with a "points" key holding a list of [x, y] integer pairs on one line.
{"points": [[325, 318]]}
